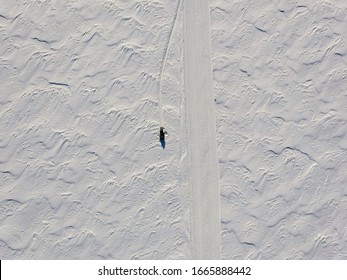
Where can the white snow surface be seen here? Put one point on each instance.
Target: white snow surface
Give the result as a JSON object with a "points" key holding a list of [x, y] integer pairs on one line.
{"points": [[280, 81], [201, 132], [85, 86]]}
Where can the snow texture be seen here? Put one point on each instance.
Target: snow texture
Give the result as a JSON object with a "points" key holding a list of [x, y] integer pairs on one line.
{"points": [[280, 81], [201, 127], [85, 86]]}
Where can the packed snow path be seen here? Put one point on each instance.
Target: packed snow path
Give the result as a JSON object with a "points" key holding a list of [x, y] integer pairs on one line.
{"points": [[200, 117]]}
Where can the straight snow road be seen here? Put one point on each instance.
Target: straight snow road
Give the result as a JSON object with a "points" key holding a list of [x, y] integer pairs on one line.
{"points": [[201, 127]]}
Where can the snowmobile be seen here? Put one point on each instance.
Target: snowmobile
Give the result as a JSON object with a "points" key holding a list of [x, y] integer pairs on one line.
{"points": [[162, 134]]}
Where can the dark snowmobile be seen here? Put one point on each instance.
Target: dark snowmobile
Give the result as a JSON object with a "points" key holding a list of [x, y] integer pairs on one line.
{"points": [[162, 133]]}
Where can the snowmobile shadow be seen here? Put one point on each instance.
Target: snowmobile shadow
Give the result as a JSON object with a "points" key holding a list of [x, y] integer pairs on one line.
{"points": [[162, 142]]}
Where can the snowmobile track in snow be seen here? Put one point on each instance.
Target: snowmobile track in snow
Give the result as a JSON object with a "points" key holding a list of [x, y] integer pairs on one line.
{"points": [[166, 52], [201, 135]]}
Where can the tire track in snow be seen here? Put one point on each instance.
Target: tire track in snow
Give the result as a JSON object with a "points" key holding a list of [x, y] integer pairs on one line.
{"points": [[166, 52], [201, 135]]}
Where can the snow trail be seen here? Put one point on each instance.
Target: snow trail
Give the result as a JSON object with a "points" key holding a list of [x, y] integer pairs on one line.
{"points": [[201, 135], [166, 52]]}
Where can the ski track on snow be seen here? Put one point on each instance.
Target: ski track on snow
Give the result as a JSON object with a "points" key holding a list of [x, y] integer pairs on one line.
{"points": [[200, 116], [82, 173], [166, 53]]}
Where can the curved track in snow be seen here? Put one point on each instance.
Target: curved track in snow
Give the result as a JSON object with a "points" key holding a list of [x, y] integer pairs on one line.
{"points": [[162, 70], [201, 127]]}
